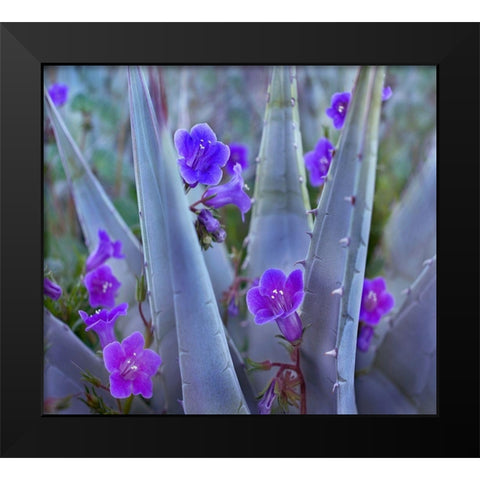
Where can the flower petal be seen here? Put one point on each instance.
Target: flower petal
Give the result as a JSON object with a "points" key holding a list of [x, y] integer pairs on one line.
{"points": [[119, 387], [113, 356], [121, 309], [265, 315], [133, 344], [365, 336], [272, 279], [216, 154], [202, 131], [385, 302], [210, 176], [142, 384], [189, 174], [149, 361], [378, 285], [255, 300], [294, 282], [185, 144]]}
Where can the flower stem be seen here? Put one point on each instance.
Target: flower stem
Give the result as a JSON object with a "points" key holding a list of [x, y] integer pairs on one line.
{"points": [[127, 405], [148, 327]]}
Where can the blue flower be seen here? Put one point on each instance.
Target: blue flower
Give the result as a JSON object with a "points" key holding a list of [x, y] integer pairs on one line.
{"points": [[58, 93], [238, 154], [230, 192], [376, 300], [265, 404], [338, 108], [277, 297], [105, 249], [318, 162], [51, 289], [386, 93], [201, 155], [102, 287], [365, 335], [103, 322], [131, 367]]}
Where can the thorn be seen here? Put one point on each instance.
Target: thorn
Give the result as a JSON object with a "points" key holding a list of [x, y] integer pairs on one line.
{"points": [[406, 291], [310, 234], [313, 212], [338, 291], [350, 199], [245, 241], [335, 385], [145, 264], [252, 200], [344, 242], [300, 179], [295, 146], [332, 353], [257, 160], [301, 262], [292, 102], [139, 213], [427, 262]]}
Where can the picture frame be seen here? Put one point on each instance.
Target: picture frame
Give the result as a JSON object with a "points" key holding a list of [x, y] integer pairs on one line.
{"points": [[452, 47]]}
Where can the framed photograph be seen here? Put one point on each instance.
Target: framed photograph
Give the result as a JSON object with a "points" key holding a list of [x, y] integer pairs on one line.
{"points": [[239, 240]]}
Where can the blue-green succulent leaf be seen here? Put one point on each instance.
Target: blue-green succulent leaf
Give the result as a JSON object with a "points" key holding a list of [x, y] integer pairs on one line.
{"points": [[335, 264], [209, 382], [416, 214], [279, 224], [94, 208], [402, 379]]}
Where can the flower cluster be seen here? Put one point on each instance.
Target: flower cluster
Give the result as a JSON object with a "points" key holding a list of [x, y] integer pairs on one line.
{"points": [[201, 160], [130, 365], [376, 302]]}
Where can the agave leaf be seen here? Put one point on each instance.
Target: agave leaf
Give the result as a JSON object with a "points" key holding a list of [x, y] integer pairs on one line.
{"points": [[337, 254], [209, 383], [66, 358], [278, 229], [403, 375], [95, 210], [415, 214]]}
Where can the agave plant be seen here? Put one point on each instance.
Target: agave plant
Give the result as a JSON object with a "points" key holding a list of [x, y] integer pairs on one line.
{"points": [[284, 324]]}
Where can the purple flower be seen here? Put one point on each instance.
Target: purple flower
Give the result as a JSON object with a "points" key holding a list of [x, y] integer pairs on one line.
{"points": [[318, 162], [102, 287], [386, 93], [376, 301], [265, 404], [51, 289], [230, 192], [338, 108], [201, 155], [58, 93], [102, 322], [232, 308], [238, 154], [365, 335], [131, 366], [277, 297], [105, 249], [212, 225]]}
